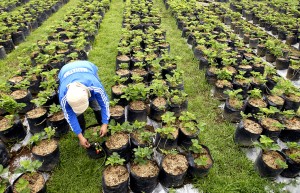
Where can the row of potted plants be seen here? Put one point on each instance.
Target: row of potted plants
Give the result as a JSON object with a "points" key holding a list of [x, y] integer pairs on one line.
{"points": [[38, 80], [150, 85], [268, 47], [286, 26], [9, 5], [242, 75], [18, 24]]}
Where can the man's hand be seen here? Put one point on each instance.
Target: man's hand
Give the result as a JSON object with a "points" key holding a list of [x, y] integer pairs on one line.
{"points": [[83, 141], [103, 130]]}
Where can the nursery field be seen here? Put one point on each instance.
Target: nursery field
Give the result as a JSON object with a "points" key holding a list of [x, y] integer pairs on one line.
{"points": [[202, 93]]}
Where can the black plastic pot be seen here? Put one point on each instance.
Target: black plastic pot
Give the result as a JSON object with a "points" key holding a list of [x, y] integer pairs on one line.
{"points": [[165, 143], [177, 109], [61, 126], [186, 140], [253, 42], [244, 137], [2, 52], [231, 114], [219, 92], [118, 119], [203, 63], [8, 45], [249, 108], [122, 187], [124, 151], [293, 169], [270, 57], [282, 63], [293, 74], [271, 134], [18, 37], [169, 180], [271, 103], [264, 170], [195, 171], [93, 153], [140, 115], [289, 135], [261, 50], [37, 124], [282, 34], [13, 134], [210, 77], [290, 105], [26, 99], [122, 101], [156, 113], [42, 190], [49, 161], [4, 155], [143, 184]]}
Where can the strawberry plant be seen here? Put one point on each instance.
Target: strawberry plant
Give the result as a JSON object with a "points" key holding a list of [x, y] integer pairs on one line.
{"points": [[168, 118], [22, 186], [28, 166], [8, 104], [266, 143], [166, 132], [142, 155], [114, 160], [54, 108]]}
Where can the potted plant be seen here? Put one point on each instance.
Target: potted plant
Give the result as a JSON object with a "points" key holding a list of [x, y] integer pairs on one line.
{"points": [[117, 112], [292, 125], [12, 129], [30, 180], [293, 70], [56, 120], [271, 126], [119, 140], [241, 82], [173, 169], [45, 150], [177, 102], [92, 134], [292, 153], [141, 136], [115, 176], [189, 129], [117, 90], [143, 171], [37, 117], [223, 84], [270, 162], [254, 101], [248, 131], [158, 104], [199, 159], [233, 105], [167, 135], [137, 95]]}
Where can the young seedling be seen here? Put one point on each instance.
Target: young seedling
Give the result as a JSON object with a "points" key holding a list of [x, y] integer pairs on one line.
{"points": [[22, 186], [266, 144], [166, 132], [142, 155], [54, 108], [168, 118], [114, 160], [28, 166]]}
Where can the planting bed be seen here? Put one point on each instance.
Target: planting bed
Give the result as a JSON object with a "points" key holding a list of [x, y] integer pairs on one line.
{"points": [[166, 132]]}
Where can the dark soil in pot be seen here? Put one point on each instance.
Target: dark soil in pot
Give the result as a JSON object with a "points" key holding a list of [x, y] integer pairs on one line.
{"points": [[120, 143], [173, 170], [157, 108], [117, 113], [48, 153], [291, 132], [137, 110], [266, 164], [37, 119], [115, 179], [36, 181], [293, 164], [58, 121], [247, 132], [144, 177], [232, 110], [202, 170], [122, 59]]}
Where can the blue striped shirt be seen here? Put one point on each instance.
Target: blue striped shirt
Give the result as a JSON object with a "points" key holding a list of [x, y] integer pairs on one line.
{"points": [[84, 72]]}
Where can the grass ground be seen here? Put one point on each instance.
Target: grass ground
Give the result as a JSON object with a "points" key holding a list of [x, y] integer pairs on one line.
{"points": [[232, 171]]}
